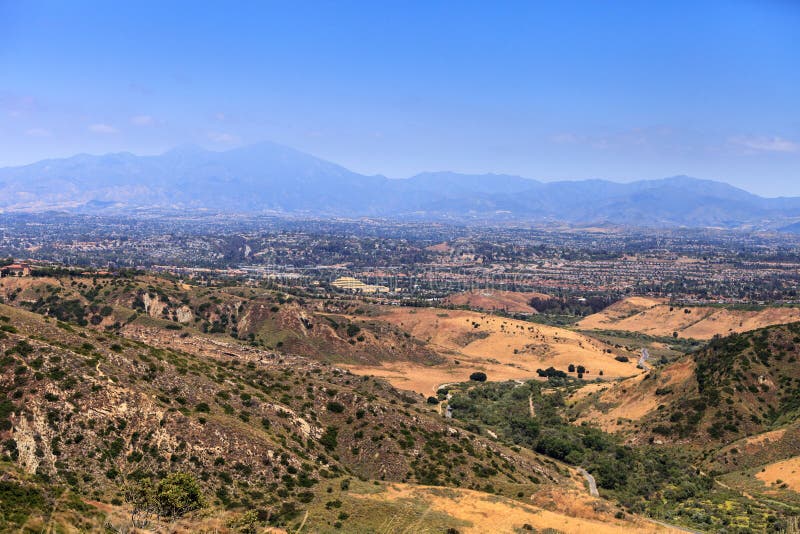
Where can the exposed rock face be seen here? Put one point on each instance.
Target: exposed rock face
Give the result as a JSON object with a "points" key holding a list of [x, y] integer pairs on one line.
{"points": [[152, 305], [33, 442], [184, 314]]}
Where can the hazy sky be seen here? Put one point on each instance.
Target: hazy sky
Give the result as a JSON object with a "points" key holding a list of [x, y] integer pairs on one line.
{"points": [[556, 90]]}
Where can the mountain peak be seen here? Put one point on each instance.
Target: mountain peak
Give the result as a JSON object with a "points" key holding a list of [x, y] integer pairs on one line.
{"points": [[273, 177]]}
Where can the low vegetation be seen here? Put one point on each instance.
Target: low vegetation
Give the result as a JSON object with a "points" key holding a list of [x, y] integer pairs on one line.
{"points": [[659, 481], [174, 434], [141, 401]]}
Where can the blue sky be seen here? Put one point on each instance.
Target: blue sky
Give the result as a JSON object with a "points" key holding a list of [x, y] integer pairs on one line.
{"points": [[557, 90]]}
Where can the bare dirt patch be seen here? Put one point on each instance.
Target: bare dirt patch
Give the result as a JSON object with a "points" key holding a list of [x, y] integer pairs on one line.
{"points": [[766, 437]]}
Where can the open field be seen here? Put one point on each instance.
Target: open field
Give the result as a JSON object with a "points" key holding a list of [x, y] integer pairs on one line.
{"points": [[783, 472], [503, 348], [657, 318]]}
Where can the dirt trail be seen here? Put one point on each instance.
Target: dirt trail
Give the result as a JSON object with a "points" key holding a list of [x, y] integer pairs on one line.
{"points": [[675, 527]]}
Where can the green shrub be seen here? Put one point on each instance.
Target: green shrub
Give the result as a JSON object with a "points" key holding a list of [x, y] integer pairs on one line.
{"points": [[335, 407], [329, 438], [352, 330], [18, 502]]}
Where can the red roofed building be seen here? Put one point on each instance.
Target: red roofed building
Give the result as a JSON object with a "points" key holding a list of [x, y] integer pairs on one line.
{"points": [[16, 269]]}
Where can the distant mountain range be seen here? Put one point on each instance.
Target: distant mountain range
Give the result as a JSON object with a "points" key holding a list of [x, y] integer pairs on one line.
{"points": [[269, 178]]}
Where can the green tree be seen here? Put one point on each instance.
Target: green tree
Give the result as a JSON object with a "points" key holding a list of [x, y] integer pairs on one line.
{"points": [[171, 497], [178, 494]]}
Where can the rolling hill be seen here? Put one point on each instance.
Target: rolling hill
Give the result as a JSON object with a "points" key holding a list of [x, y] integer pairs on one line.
{"points": [[95, 419], [739, 393], [289, 410], [415, 349], [656, 317]]}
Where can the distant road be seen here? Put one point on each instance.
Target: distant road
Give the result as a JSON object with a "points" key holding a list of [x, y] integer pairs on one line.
{"points": [[590, 479], [675, 527], [643, 359]]}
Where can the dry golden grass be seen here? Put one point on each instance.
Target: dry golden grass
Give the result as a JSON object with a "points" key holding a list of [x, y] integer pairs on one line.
{"points": [[766, 437], [490, 513], [655, 317], [427, 379], [24, 283], [505, 349], [783, 472], [206, 521], [631, 399]]}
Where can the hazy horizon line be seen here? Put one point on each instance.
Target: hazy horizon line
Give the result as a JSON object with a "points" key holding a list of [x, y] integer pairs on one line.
{"points": [[190, 145]]}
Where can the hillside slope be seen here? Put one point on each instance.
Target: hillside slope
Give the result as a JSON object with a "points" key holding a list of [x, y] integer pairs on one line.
{"points": [[738, 386], [414, 348], [495, 300], [658, 318], [503, 348], [112, 382], [94, 411]]}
